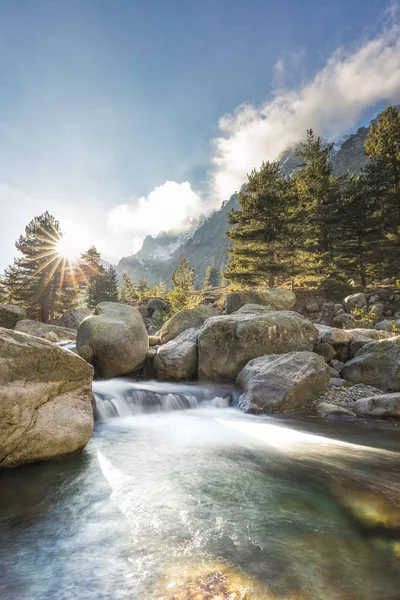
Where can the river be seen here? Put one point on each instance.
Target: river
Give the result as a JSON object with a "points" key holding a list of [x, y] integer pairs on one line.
{"points": [[179, 496]]}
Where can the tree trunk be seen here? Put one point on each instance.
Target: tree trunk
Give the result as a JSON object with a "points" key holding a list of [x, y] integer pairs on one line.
{"points": [[271, 281], [363, 274]]}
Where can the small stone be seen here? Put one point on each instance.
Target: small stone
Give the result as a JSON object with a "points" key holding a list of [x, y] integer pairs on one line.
{"points": [[154, 340], [338, 382], [50, 336], [337, 364], [151, 352], [312, 306]]}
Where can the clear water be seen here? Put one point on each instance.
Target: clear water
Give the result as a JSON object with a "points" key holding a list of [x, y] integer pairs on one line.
{"points": [[206, 503]]}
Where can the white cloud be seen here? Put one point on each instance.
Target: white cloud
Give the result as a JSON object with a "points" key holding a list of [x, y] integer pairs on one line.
{"points": [[169, 207], [331, 103]]}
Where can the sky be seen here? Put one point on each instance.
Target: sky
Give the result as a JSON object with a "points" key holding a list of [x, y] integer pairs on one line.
{"points": [[127, 117]]}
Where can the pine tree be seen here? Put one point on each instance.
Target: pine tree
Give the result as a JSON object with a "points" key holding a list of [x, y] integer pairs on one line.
{"points": [[128, 293], [318, 196], [142, 288], [159, 290], [99, 284], [212, 277], [383, 177], [358, 230], [259, 233], [110, 289], [183, 282], [41, 279]]}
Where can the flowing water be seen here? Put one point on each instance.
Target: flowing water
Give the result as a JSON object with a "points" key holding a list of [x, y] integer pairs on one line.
{"points": [[205, 502]]}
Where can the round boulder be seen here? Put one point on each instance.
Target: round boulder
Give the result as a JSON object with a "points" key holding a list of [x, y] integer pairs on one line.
{"points": [[376, 364], [10, 314], [228, 342], [118, 337], [187, 318], [274, 298], [282, 382], [45, 400], [177, 359]]}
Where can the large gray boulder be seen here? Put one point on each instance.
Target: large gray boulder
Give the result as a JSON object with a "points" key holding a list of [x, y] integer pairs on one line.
{"points": [[185, 319], [282, 382], [45, 400], [384, 405], [10, 314], [73, 317], [376, 364], [227, 342], [355, 301], [115, 337], [177, 359], [39, 329], [274, 298]]}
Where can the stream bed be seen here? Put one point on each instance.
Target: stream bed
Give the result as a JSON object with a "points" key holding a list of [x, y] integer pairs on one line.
{"points": [[179, 496]]}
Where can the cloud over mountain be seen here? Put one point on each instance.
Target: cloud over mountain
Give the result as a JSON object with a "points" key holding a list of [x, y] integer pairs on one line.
{"points": [[330, 103]]}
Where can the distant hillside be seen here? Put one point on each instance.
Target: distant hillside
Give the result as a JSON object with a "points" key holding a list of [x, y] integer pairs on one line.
{"points": [[207, 244]]}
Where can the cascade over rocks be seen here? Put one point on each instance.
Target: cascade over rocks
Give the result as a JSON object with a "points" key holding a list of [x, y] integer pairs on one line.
{"points": [[45, 400], [10, 314], [282, 382], [376, 364], [274, 298], [185, 319], [177, 359], [39, 329], [116, 337], [228, 342]]}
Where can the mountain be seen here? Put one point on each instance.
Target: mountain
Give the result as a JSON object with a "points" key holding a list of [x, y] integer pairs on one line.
{"points": [[206, 244]]}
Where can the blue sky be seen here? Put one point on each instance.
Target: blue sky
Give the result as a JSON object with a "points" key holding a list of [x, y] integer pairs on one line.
{"points": [[104, 100]]}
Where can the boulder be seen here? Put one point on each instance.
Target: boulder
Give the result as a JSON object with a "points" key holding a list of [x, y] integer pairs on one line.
{"points": [[51, 337], [338, 382], [228, 342], [335, 336], [377, 308], [154, 340], [275, 298], [384, 325], [327, 351], [343, 320], [117, 336], [185, 319], [10, 314], [384, 405], [177, 359], [355, 301], [158, 304], [39, 329], [45, 400], [376, 364], [73, 317], [282, 382], [337, 365]]}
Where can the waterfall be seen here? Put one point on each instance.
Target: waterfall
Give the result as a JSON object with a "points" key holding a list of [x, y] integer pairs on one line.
{"points": [[122, 397]]}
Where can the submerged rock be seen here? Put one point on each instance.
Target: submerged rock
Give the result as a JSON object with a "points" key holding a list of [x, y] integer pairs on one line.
{"points": [[274, 298], [326, 409], [185, 319], [282, 382], [376, 364], [228, 342], [177, 359], [45, 400], [117, 336], [10, 314]]}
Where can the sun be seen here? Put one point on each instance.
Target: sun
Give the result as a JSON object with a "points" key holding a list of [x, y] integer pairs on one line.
{"points": [[69, 248]]}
